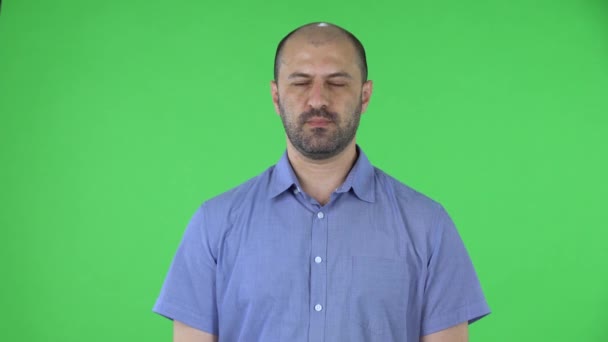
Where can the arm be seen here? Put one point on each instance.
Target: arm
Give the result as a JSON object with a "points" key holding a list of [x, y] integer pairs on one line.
{"points": [[185, 333], [457, 333]]}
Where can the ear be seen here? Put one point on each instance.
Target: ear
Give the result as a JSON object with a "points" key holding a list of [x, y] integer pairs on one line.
{"points": [[366, 94], [274, 91]]}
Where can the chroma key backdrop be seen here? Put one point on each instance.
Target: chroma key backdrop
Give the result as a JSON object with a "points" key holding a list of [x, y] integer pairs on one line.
{"points": [[119, 118]]}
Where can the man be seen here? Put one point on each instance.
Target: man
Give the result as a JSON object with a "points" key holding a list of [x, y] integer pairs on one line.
{"points": [[322, 246]]}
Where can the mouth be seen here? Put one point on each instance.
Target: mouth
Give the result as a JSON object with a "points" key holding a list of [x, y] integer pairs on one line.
{"points": [[318, 122]]}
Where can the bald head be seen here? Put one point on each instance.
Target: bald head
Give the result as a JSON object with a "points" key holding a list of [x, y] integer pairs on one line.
{"points": [[318, 34]]}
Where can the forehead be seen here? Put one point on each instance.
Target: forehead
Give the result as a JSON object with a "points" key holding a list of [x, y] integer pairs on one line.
{"points": [[319, 53]]}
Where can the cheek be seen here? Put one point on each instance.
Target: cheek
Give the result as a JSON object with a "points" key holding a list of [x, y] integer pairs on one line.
{"points": [[293, 96], [290, 102]]}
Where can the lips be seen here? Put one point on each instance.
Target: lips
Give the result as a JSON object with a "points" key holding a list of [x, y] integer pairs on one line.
{"points": [[318, 122], [318, 117]]}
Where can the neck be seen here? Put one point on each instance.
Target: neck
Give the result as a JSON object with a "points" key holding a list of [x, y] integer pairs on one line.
{"points": [[319, 178]]}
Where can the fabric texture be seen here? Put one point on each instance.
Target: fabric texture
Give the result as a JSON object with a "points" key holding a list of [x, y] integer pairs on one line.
{"points": [[266, 262]]}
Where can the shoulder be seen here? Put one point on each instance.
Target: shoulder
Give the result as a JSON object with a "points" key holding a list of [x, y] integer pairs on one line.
{"points": [[224, 205], [404, 196], [424, 218]]}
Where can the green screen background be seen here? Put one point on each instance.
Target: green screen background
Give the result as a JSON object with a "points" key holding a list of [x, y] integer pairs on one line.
{"points": [[119, 118]]}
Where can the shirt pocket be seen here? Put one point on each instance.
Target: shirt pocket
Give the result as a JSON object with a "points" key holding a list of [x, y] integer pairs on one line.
{"points": [[379, 298]]}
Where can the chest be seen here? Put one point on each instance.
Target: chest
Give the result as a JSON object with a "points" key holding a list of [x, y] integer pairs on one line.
{"points": [[325, 267]]}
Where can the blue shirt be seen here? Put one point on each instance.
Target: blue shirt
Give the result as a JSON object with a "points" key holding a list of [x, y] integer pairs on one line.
{"points": [[265, 262]]}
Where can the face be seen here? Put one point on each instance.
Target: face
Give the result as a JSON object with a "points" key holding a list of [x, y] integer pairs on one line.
{"points": [[320, 96]]}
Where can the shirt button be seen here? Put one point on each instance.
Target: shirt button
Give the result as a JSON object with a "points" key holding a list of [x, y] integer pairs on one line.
{"points": [[318, 307], [320, 215], [318, 259]]}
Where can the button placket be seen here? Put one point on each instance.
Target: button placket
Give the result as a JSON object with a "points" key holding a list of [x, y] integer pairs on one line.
{"points": [[318, 275]]}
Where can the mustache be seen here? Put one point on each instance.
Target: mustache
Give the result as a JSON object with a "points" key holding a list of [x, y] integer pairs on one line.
{"points": [[320, 113]]}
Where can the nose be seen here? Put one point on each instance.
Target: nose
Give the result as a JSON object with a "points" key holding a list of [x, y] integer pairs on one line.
{"points": [[318, 96]]}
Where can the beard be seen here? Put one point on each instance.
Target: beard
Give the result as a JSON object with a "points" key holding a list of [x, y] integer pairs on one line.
{"points": [[320, 143]]}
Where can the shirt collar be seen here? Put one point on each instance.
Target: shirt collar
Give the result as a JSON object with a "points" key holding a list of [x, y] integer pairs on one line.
{"points": [[360, 178]]}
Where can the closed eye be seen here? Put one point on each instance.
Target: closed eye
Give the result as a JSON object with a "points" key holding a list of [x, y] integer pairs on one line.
{"points": [[299, 84]]}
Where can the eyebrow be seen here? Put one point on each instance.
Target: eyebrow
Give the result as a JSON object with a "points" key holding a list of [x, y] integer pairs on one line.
{"points": [[332, 75], [340, 74]]}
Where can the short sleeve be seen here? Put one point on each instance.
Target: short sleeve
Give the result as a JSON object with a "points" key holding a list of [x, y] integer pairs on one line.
{"points": [[188, 292], [452, 293]]}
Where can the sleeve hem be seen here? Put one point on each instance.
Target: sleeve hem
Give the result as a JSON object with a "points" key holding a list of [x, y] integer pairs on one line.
{"points": [[176, 313], [470, 314]]}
